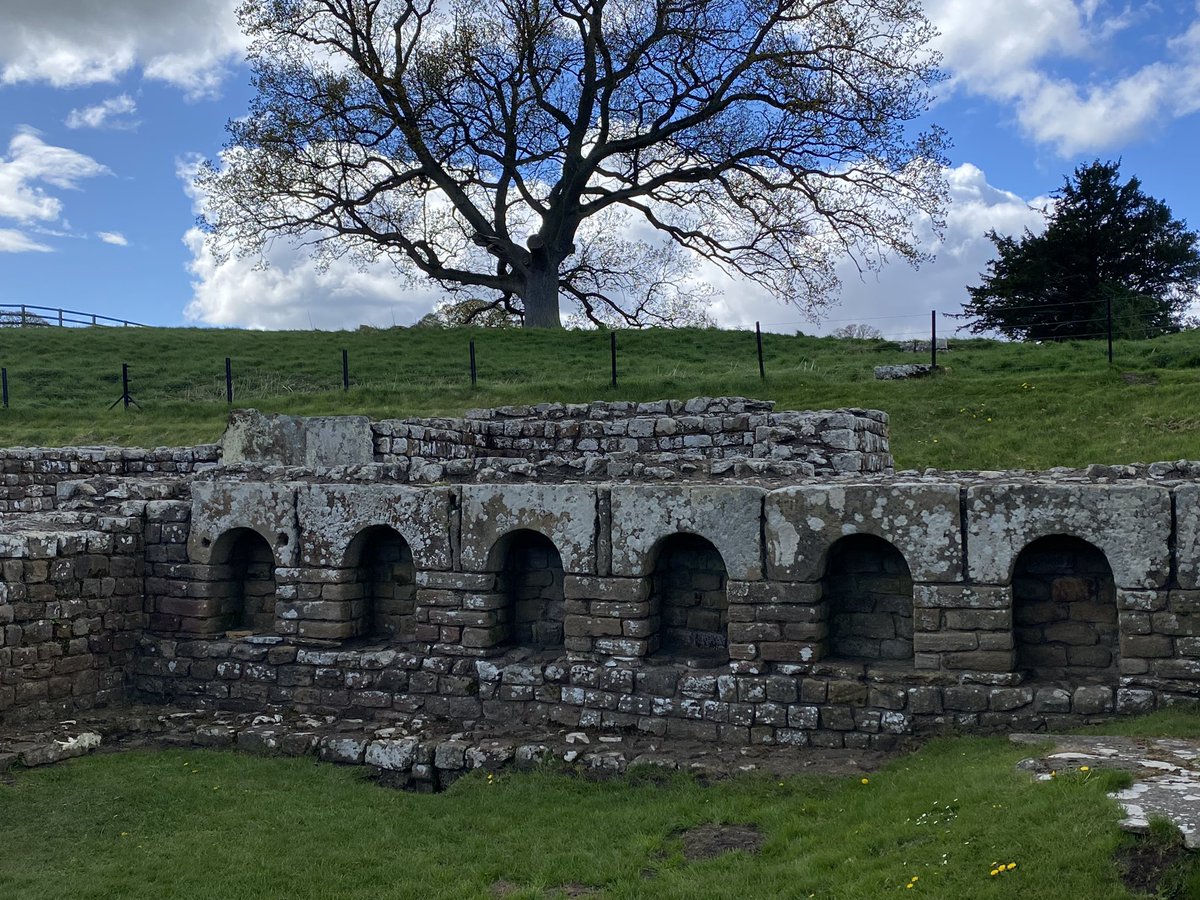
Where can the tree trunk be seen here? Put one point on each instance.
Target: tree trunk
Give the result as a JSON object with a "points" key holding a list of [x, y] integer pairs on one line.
{"points": [[541, 299]]}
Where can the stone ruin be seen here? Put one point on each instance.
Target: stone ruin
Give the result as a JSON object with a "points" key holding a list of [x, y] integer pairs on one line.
{"points": [[712, 570]]}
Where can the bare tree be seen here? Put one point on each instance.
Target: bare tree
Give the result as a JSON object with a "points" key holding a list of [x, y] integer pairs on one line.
{"points": [[473, 142], [858, 332]]}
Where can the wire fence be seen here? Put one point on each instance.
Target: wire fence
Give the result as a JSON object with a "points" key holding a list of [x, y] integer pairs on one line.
{"points": [[913, 332]]}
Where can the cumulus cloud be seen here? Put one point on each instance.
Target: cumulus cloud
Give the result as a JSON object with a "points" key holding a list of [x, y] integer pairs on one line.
{"points": [[289, 290], [68, 43], [13, 241], [113, 237], [114, 113], [898, 300], [1006, 50], [30, 166]]}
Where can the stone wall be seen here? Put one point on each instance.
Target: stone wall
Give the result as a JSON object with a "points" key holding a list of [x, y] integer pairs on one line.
{"points": [[30, 478], [662, 439], [70, 614], [765, 604]]}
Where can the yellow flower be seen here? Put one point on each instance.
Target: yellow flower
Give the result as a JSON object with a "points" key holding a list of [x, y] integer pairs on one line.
{"points": [[1084, 769], [994, 872], [866, 781], [1012, 865]]}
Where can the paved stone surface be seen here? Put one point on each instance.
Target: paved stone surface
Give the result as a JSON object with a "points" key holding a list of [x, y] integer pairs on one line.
{"points": [[1166, 775]]}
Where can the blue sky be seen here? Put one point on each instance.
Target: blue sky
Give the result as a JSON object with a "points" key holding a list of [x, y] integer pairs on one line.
{"points": [[105, 106]]}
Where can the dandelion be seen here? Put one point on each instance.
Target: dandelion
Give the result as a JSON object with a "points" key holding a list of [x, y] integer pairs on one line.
{"points": [[866, 781], [1084, 769], [994, 872]]}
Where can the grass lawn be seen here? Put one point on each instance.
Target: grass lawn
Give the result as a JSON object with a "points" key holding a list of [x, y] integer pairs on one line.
{"points": [[996, 406], [212, 824]]}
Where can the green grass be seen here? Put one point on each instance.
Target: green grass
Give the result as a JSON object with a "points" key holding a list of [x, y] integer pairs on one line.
{"points": [[210, 824], [996, 406]]}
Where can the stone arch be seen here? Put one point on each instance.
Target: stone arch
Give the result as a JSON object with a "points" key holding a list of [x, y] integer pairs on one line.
{"points": [[246, 571], [386, 577], [1065, 610], [868, 591], [688, 598], [529, 571]]}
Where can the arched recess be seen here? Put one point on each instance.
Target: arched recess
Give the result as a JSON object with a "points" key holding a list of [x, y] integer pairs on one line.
{"points": [[531, 581], [869, 594], [1065, 610], [687, 594], [386, 576], [247, 565]]}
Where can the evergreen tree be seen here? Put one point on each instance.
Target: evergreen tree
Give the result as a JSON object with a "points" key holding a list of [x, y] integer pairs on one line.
{"points": [[1104, 242]]}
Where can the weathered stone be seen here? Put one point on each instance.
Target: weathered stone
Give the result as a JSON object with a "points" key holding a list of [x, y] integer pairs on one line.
{"points": [[919, 520], [1131, 524], [332, 515], [271, 439], [728, 517], [564, 513]]}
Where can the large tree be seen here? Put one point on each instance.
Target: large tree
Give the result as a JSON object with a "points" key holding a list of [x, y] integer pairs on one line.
{"points": [[523, 150], [1105, 242]]}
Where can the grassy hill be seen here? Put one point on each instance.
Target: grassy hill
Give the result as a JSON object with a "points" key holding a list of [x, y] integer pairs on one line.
{"points": [[995, 406]]}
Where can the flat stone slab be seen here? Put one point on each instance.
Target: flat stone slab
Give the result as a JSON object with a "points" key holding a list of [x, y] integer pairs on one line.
{"points": [[1166, 773]]}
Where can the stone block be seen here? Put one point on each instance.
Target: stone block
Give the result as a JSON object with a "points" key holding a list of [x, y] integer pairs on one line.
{"points": [[281, 440], [220, 507], [727, 516], [1131, 524], [950, 596], [920, 520], [332, 515], [564, 513], [1091, 700]]}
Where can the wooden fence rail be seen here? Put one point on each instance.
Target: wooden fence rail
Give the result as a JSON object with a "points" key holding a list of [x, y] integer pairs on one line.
{"points": [[28, 315]]}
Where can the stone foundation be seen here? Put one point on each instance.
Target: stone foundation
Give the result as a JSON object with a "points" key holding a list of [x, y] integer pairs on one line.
{"points": [[830, 611]]}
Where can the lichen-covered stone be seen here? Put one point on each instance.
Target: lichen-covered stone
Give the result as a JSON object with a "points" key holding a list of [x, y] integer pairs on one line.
{"points": [[1131, 524], [564, 513], [218, 507], [919, 520], [728, 517], [332, 515]]}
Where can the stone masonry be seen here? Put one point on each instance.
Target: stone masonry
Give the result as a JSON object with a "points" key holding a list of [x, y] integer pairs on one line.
{"points": [[792, 596]]}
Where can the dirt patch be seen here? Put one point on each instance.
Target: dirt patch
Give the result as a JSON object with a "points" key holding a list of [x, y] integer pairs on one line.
{"points": [[1146, 865], [503, 888], [1138, 378], [707, 841]]}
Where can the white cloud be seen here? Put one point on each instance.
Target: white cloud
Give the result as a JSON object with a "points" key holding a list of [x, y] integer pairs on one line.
{"points": [[291, 291], [898, 301], [68, 43], [113, 237], [29, 167], [13, 241], [112, 113], [1004, 49]]}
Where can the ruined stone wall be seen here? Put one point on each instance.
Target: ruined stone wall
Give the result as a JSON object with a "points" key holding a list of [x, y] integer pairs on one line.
{"points": [[30, 477], [772, 603], [659, 439], [833, 614], [70, 614]]}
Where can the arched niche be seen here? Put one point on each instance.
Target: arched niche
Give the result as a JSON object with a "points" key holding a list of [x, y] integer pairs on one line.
{"points": [[247, 564], [1064, 611], [869, 594], [530, 577], [687, 593], [386, 576]]}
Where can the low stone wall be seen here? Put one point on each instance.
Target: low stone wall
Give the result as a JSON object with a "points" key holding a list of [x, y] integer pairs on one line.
{"points": [[798, 705], [801, 608], [30, 477], [70, 614], [666, 438]]}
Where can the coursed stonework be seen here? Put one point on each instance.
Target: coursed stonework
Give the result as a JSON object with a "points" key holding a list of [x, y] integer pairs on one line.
{"points": [[767, 596]]}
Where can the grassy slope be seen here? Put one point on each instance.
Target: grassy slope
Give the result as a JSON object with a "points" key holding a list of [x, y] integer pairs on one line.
{"points": [[206, 824], [1047, 405]]}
